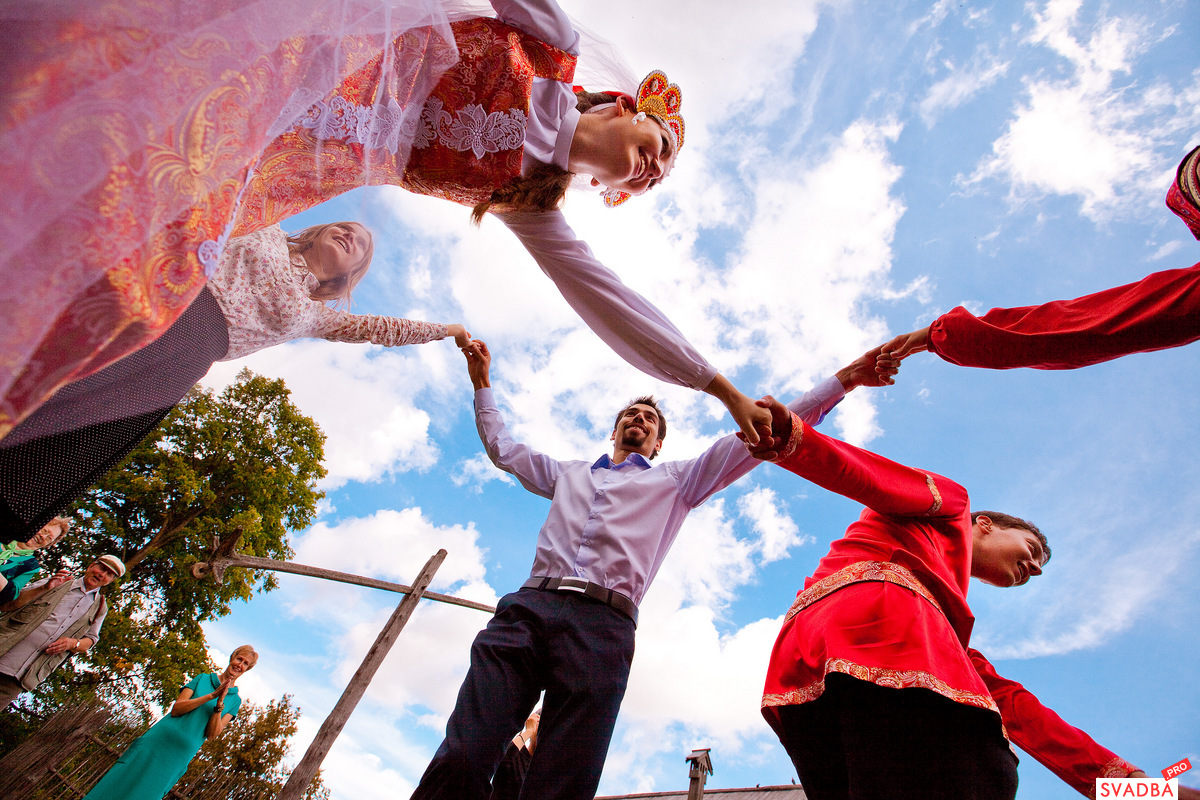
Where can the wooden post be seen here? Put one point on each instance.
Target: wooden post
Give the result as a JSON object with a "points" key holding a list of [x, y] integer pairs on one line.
{"points": [[306, 770]]}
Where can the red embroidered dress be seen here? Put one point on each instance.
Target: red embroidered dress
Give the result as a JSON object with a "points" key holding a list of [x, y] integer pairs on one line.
{"points": [[467, 141], [888, 605], [127, 130]]}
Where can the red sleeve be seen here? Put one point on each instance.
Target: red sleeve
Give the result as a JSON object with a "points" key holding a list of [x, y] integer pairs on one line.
{"points": [[1160, 311], [877, 482], [1064, 750]]}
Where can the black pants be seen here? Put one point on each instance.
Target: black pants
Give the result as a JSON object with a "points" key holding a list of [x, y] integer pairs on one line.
{"points": [[859, 741], [576, 649]]}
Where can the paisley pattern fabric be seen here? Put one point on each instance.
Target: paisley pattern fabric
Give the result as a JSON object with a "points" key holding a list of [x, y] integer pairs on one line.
{"points": [[1184, 195], [127, 131], [465, 142]]}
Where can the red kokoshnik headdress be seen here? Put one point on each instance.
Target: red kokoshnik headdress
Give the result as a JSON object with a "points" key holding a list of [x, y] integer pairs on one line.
{"points": [[660, 99]]}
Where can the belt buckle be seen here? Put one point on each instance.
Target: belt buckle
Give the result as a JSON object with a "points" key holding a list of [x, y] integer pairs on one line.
{"points": [[572, 585]]}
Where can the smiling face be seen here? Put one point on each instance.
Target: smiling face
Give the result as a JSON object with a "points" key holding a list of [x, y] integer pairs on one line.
{"points": [[339, 252], [639, 430], [241, 661], [50, 533], [1005, 556], [632, 158]]}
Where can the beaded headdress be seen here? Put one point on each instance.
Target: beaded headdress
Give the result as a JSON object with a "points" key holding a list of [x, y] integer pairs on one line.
{"points": [[659, 99]]}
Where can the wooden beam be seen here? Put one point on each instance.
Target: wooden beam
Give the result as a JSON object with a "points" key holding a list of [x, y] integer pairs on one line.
{"points": [[306, 770], [217, 566]]}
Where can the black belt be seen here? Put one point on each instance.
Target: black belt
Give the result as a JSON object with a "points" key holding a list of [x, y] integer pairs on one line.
{"points": [[593, 590]]}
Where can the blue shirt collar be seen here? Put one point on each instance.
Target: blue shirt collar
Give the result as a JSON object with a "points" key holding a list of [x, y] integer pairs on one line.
{"points": [[637, 459]]}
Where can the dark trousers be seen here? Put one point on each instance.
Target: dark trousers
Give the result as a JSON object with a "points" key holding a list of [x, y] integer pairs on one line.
{"points": [[859, 741], [578, 651]]}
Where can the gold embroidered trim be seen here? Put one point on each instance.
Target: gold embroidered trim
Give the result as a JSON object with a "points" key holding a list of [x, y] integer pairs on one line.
{"points": [[860, 572], [794, 440], [881, 676], [1117, 768], [937, 496]]}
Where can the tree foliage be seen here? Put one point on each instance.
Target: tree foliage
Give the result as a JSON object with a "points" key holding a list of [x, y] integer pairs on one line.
{"points": [[253, 746], [245, 458]]}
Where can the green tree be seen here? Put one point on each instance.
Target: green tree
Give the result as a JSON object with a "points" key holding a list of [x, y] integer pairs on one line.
{"points": [[252, 748], [245, 458]]}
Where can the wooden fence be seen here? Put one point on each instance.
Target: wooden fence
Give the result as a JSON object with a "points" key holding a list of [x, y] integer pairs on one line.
{"points": [[77, 745]]}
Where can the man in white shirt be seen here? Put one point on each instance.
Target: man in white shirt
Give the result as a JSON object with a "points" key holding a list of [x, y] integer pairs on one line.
{"points": [[49, 621], [569, 630]]}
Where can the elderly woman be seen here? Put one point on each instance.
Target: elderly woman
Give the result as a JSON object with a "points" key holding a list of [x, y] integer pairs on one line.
{"points": [[18, 565], [157, 760]]}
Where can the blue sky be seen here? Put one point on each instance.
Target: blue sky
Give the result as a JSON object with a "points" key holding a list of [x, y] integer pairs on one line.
{"points": [[851, 170]]}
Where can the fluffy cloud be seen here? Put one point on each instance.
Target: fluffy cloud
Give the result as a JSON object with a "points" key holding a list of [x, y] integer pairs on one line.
{"points": [[1096, 134], [365, 398]]}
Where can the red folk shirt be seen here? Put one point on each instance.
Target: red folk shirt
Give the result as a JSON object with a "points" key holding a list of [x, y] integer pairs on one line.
{"points": [[888, 604], [1160, 311]]}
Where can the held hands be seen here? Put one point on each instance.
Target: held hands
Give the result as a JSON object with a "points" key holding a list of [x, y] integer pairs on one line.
{"points": [[479, 361], [461, 337], [772, 439], [906, 344], [876, 367], [745, 412]]}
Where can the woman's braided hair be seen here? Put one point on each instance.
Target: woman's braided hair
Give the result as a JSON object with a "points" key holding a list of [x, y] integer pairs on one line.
{"points": [[544, 188]]}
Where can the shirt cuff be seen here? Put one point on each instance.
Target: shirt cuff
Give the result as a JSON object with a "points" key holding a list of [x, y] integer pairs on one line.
{"points": [[484, 398]]}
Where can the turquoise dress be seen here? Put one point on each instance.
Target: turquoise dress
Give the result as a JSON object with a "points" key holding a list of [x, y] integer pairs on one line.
{"points": [[19, 567], [157, 760]]}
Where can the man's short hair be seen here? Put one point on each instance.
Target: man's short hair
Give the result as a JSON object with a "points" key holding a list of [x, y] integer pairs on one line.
{"points": [[1009, 521], [645, 400]]}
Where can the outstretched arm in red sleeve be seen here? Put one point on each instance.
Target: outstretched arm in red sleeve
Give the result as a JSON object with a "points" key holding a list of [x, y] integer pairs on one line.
{"points": [[1064, 750], [877, 482]]}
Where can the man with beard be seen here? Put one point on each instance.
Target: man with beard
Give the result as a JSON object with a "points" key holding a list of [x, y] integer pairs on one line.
{"points": [[569, 630]]}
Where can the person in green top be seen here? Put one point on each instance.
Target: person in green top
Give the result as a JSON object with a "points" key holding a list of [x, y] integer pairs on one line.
{"points": [[158, 758], [18, 566]]}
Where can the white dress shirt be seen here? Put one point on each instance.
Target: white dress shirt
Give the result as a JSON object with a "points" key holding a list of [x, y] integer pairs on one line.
{"points": [[612, 524]]}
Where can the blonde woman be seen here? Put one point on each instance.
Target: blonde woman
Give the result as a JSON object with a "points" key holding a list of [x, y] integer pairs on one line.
{"points": [[157, 760], [269, 288]]}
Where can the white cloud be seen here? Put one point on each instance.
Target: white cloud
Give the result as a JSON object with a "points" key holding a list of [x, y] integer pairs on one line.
{"points": [[818, 248], [961, 84], [365, 399], [475, 471], [1095, 134], [777, 532], [1167, 249]]}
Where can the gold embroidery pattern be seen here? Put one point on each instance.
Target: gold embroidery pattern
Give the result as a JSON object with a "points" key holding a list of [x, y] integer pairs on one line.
{"points": [[122, 261], [881, 676], [937, 496], [795, 439], [860, 572], [1117, 768]]}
